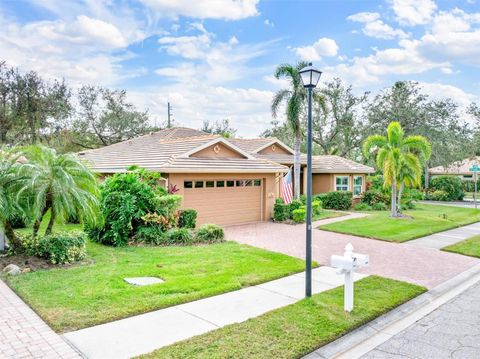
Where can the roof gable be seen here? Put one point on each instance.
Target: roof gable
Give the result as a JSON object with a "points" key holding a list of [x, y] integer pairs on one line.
{"points": [[217, 148], [275, 146]]}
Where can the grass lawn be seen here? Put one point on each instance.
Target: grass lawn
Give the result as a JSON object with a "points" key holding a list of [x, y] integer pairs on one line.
{"points": [[57, 227], [89, 294], [427, 219], [469, 247], [298, 329], [324, 214]]}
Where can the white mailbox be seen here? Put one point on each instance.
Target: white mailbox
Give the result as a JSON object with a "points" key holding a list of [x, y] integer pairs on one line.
{"points": [[346, 265]]}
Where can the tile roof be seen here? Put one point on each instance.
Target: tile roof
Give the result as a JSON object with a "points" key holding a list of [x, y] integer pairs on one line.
{"points": [[458, 167], [166, 151]]}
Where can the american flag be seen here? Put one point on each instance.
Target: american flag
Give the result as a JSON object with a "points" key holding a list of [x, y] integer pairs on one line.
{"points": [[286, 190]]}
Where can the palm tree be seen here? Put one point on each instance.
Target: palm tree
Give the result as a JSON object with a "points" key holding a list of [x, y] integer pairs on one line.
{"points": [[400, 158], [10, 202], [294, 99], [62, 184]]}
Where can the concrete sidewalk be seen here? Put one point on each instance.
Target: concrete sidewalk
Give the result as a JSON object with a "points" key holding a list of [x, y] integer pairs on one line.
{"points": [[447, 238], [144, 333]]}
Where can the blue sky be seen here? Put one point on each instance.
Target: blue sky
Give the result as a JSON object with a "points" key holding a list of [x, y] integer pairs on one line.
{"points": [[214, 59]]}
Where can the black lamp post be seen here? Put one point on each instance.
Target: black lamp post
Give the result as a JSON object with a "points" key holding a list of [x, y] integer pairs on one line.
{"points": [[310, 77]]}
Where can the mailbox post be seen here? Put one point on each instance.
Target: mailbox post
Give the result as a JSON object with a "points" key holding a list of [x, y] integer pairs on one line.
{"points": [[346, 265]]}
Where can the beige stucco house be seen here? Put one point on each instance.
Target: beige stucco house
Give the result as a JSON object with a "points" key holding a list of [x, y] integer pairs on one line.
{"points": [[228, 181]]}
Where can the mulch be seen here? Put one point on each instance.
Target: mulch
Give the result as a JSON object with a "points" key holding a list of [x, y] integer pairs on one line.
{"points": [[24, 261]]}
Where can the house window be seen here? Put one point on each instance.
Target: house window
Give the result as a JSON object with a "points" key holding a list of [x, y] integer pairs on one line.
{"points": [[210, 184], [357, 185], [188, 184], [198, 184], [341, 183]]}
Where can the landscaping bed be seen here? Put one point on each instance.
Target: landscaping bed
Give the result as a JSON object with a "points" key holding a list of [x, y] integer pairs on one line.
{"points": [[426, 219], [85, 295], [298, 329], [469, 247]]}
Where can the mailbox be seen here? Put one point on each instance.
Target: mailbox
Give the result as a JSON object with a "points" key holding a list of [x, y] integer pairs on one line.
{"points": [[346, 265]]}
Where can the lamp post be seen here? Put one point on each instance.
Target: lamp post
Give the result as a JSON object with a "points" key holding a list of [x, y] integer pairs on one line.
{"points": [[310, 77]]}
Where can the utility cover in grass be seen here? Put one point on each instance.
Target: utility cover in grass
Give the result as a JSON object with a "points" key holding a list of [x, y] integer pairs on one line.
{"points": [[142, 281]]}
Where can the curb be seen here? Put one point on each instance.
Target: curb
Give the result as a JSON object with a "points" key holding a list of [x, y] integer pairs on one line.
{"points": [[368, 336]]}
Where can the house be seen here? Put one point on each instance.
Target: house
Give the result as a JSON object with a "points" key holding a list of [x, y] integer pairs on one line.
{"points": [[228, 181], [459, 168]]}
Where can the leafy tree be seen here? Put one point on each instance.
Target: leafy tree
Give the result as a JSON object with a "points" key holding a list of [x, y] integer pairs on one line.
{"points": [[338, 127], [105, 117], [399, 157], [222, 128], [294, 100], [62, 184], [10, 204]]}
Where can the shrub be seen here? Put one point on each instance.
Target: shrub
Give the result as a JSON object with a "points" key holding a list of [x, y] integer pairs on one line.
{"points": [[296, 204], [187, 218], [281, 211], [150, 235], [299, 215], [469, 185], [413, 194], [379, 206], [436, 196], [179, 236], [373, 196], [316, 207], [375, 183], [209, 233], [408, 205], [362, 207], [451, 185], [58, 248], [339, 200]]}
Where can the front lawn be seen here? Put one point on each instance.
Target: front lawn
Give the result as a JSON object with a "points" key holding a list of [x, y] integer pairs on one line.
{"points": [[427, 219], [325, 214], [298, 329], [469, 247], [89, 294]]}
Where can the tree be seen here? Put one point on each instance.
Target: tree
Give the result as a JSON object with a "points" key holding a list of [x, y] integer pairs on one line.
{"points": [[219, 128], [399, 157], [61, 184], [105, 117], [338, 127], [10, 183], [294, 98]]}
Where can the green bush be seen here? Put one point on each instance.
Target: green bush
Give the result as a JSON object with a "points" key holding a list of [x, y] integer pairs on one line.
{"points": [[469, 185], [408, 205], [58, 248], [296, 204], [151, 234], [412, 194], [210, 233], [299, 215], [437, 196], [179, 236], [362, 207], [451, 185], [373, 196], [281, 211], [339, 200], [379, 206], [316, 207], [375, 182], [187, 218]]}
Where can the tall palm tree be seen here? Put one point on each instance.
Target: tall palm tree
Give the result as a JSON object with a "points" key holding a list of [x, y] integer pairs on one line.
{"points": [[10, 202], [62, 184], [294, 99], [399, 157]]}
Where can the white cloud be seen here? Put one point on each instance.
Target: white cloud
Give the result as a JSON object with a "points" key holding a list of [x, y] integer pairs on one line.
{"points": [[439, 91], [269, 23], [413, 12], [374, 27], [204, 9], [321, 47]]}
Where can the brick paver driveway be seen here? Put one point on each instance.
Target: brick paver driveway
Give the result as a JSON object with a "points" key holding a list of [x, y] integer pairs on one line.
{"points": [[425, 266], [24, 335]]}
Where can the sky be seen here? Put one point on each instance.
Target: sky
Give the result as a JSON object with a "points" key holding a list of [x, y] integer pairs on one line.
{"points": [[215, 59]]}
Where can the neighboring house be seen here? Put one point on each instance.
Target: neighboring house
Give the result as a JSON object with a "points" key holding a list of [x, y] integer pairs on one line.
{"points": [[459, 168], [228, 181]]}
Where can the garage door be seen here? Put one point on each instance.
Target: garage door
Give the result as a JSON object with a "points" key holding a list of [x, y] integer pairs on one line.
{"points": [[225, 201]]}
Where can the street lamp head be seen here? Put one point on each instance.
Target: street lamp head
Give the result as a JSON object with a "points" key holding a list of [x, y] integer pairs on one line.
{"points": [[310, 76]]}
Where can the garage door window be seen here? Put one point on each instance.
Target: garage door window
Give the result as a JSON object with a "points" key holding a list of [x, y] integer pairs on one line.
{"points": [[257, 183], [220, 183], [188, 184], [210, 184], [230, 183], [198, 184]]}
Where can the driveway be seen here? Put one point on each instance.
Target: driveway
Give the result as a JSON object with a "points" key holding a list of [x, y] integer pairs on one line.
{"points": [[425, 266]]}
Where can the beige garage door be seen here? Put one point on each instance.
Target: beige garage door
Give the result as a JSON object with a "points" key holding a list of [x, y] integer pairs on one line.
{"points": [[225, 201]]}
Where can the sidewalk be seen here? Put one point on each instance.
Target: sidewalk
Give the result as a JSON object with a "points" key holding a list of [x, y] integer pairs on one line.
{"points": [[146, 332], [447, 238], [23, 334]]}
